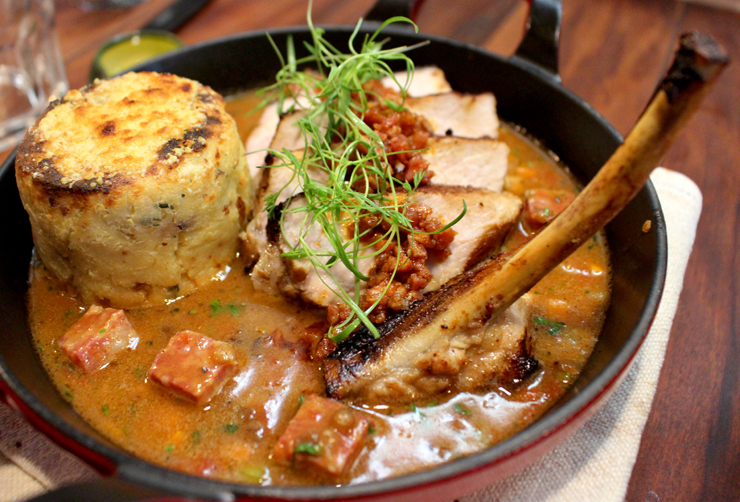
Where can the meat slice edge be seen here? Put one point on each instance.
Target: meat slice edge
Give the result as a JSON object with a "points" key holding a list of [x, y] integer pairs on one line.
{"points": [[457, 114], [408, 363], [268, 133], [479, 162], [267, 264], [480, 232]]}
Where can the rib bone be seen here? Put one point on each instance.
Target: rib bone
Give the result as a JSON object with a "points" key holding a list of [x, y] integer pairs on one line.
{"points": [[481, 295]]}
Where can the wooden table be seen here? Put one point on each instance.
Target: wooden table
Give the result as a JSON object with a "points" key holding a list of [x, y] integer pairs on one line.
{"points": [[612, 54]]}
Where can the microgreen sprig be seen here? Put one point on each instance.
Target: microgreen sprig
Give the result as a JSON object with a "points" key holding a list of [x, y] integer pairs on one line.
{"points": [[356, 177]]}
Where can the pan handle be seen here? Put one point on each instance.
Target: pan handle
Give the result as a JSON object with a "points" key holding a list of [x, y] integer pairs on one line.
{"points": [[540, 43], [386, 9]]}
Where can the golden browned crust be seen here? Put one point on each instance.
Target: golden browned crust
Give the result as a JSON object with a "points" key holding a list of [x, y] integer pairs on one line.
{"points": [[136, 187]]}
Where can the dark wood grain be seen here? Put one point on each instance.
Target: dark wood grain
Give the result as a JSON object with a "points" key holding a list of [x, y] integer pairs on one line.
{"points": [[694, 427], [612, 54]]}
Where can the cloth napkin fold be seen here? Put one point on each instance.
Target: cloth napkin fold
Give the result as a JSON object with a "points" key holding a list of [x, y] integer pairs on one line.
{"points": [[593, 464]]}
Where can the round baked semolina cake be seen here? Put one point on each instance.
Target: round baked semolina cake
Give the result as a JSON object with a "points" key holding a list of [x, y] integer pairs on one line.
{"points": [[136, 188]]}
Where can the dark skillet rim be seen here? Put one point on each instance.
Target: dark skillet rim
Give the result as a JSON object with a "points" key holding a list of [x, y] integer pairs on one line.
{"points": [[133, 469]]}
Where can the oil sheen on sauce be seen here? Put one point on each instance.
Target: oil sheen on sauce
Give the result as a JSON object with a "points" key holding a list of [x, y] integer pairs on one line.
{"points": [[232, 437]]}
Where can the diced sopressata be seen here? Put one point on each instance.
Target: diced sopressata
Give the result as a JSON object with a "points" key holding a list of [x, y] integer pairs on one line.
{"points": [[194, 366], [324, 434], [97, 338]]}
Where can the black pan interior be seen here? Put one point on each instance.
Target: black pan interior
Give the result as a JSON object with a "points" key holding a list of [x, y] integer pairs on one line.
{"points": [[527, 97]]}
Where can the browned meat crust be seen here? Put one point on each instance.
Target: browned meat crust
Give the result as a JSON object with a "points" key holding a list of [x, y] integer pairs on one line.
{"points": [[422, 351]]}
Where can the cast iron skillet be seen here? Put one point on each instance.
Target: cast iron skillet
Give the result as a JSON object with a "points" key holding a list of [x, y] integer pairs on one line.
{"points": [[529, 94]]}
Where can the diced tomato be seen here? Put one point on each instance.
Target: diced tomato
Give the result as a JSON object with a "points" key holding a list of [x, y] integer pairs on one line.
{"points": [[324, 434], [97, 338], [542, 205], [194, 366]]}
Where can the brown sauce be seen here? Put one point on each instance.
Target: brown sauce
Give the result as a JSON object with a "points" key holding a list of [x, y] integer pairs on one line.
{"points": [[232, 437]]}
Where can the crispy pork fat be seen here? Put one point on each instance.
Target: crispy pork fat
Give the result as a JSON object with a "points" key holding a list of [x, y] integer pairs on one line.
{"points": [[433, 347]]}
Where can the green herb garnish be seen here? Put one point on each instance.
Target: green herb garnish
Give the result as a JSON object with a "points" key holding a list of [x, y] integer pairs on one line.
{"points": [[594, 240], [215, 307], [459, 408], [105, 409], [555, 326], [308, 447], [359, 180], [231, 428]]}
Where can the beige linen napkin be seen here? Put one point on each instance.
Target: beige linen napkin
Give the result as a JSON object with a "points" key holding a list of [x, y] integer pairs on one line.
{"points": [[593, 464]]}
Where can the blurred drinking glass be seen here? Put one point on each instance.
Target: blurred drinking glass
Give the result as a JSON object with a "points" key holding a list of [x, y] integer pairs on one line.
{"points": [[31, 68]]}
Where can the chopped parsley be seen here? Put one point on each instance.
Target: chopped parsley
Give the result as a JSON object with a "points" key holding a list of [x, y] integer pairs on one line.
{"points": [[555, 326], [231, 428], [105, 409], [595, 239], [459, 408], [308, 447], [216, 307]]}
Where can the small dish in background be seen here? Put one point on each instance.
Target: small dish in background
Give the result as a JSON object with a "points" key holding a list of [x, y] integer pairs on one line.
{"points": [[129, 49]]}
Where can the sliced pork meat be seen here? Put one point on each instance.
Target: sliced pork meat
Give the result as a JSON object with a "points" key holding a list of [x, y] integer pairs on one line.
{"points": [[480, 232], [268, 266], [467, 162], [259, 140], [427, 80], [424, 351], [456, 114], [267, 134], [302, 279], [97, 338]]}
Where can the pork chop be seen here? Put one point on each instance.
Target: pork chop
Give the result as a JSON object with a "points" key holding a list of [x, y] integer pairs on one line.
{"points": [[480, 162]]}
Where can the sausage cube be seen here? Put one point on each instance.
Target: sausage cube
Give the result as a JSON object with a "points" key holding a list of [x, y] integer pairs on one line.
{"points": [[194, 366], [542, 205], [324, 434], [97, 338]]}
